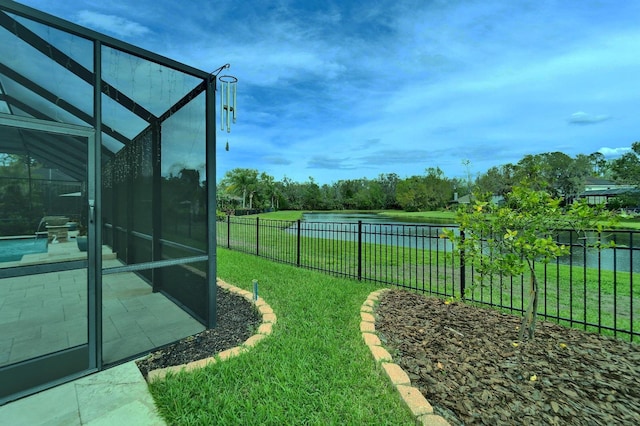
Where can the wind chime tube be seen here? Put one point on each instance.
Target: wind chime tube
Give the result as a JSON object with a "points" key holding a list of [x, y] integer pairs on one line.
{"points": [[228, 107], [235, 105], [221, 105]]}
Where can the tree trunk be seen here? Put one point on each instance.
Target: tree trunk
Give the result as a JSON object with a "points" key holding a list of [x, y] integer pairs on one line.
{"points": [[529, 319]]}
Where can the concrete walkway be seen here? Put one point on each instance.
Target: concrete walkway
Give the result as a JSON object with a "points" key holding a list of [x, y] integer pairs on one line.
{"points": [[117, 396]]}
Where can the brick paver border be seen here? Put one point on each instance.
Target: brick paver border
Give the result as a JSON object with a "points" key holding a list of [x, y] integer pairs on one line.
{"points": [[417, 403], [268, 320]]}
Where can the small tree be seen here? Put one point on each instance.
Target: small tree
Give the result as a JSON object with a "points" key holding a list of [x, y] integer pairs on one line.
{"points": [[508, 240]]}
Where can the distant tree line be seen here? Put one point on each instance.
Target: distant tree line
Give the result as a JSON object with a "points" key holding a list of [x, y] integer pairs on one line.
{"points": [[557, 173], [563, 176]]}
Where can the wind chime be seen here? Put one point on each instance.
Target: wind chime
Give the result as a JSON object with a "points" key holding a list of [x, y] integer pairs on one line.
{"points": [[228, 90]]}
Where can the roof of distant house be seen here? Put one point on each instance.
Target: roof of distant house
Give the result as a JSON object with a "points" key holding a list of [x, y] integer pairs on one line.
{"points": [[609, 191], [591, 180]]}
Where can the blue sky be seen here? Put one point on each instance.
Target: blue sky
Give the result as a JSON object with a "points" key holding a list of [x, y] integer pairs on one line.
{"points": [[349, 89]]}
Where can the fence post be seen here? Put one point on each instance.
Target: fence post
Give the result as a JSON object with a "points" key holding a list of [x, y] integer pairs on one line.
{"points": [[631, 247], [257, 236], [463, 275], [228, 231], [359, 250], [298, 246]]}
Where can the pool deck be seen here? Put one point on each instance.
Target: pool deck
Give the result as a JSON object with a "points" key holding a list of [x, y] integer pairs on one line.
{"points": [[46, 312]]}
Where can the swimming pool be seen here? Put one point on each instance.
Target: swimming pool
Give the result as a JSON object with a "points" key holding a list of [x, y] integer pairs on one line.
{"points": [[12, 249]]}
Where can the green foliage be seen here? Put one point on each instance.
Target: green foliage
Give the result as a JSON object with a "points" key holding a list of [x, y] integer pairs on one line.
{"points": [[240, 182], [555, 172], [509, 240], [422, 193], [497, 180], [311, 196], [561, 175], [599, 165], [20, 200], [17, 166], [411, 195], [627, 168], [626, 200], [558, 174]]}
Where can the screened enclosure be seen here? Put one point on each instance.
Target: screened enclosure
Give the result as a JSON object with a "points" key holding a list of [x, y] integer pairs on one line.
{"points": [[107, 241]]}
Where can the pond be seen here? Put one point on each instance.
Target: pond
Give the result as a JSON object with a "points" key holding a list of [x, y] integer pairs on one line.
{"points": [[377, 229], [372, 218]]}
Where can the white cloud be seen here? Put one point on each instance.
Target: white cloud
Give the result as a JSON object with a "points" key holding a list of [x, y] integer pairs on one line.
{"points": [[613, 152], [582, 118], [323, 162], [112, 24], [271, 159], [398, 156]]}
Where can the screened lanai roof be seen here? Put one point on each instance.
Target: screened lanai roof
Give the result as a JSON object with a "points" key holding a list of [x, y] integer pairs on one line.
{"points": [[48, 72]]}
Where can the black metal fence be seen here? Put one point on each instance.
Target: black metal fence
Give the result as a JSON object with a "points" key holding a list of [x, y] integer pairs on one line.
{"points": [[592, 289]]}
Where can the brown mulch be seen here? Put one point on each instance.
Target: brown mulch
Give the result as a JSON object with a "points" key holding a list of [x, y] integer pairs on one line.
{"points": [[464, 361], [237, 319]]}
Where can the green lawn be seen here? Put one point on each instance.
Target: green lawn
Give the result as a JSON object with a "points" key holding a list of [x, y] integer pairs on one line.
{"points": [[397, 214], [423, 216], [281, 215], [629, 223], [314, 369], [434, 216], [603, 299]]}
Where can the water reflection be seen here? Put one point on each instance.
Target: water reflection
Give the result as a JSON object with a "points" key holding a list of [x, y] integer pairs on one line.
{"points": [[372, 218]]}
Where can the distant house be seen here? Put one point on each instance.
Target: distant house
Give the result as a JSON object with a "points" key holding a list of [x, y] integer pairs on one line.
{"points": [[596, 191], [469, 198], [599, 191]]}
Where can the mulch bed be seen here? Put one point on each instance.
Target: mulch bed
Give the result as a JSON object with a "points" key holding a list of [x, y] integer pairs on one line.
{"points": [[464, 361], [237, 320]]}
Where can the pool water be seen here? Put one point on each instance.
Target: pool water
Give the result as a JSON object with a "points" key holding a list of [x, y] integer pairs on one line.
{"points": [[12, 250]]}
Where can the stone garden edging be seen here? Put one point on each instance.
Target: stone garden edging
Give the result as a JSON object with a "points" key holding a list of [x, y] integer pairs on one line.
{"points": [[417, 403], [268, 320]]}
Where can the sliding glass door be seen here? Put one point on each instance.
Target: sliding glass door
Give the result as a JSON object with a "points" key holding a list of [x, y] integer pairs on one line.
{"points": [[48, 318]]}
